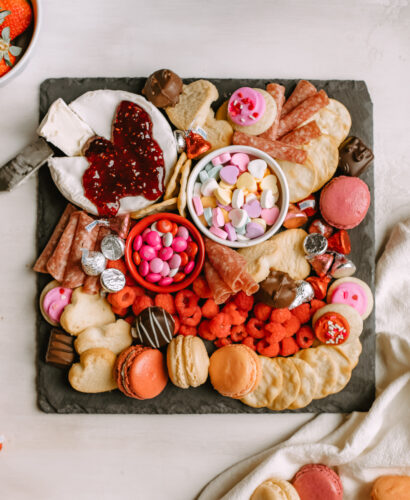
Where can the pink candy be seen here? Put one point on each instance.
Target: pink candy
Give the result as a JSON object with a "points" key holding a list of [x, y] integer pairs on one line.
{"points": [[241, 160], [147, 252], [152, 238], [253, 209], [153, 277], [230, 231], [229, 174], [166, 253], [143, 268], [221, 159], [220, 233], [182, 233], [179, 244], [156, 265], [175, 261], [198, 207], [270, 215], [137, 243], [189, 267], [218, 219], [165, 281]]}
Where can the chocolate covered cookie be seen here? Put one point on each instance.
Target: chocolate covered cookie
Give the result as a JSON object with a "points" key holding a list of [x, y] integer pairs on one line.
{"points": [[154, 327]]}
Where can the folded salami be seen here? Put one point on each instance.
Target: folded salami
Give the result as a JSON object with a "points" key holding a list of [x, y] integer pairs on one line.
{"points": [[302, 135], [302, 112], [303, 90], [278, 94], [275, 149], [220, 291]]}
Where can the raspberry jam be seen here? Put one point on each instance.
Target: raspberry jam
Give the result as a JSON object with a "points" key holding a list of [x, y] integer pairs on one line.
{"points": [[132, 164]]}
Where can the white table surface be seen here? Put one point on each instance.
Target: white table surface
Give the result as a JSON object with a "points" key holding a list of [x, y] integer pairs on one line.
{"points": [[156, 457]]}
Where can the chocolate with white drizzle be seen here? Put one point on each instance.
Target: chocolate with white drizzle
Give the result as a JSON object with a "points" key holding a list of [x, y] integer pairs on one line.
{"points": [[154, 327]]}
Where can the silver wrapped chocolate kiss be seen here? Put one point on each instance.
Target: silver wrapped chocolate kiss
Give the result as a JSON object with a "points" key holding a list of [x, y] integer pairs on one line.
{"points": [[342, 266], [93, 263], [180, 141], [304, 293], [315, 244], [112, 280], [112, 247]]}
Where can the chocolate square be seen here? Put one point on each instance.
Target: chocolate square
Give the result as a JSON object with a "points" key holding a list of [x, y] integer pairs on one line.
{"points": [[60, 350]]}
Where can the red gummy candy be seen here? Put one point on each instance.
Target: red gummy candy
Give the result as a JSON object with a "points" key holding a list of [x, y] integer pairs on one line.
{"points": [[186, 302], [210, 309], [266, 349], [302, 312], [130, 319], [305, 337], [244, 301], [262, 311], [280, 315], [288, 347], [220, 325], [119, 311], [274, 332], [141, 303], [254, 328], [166, 301], [117, 264]]}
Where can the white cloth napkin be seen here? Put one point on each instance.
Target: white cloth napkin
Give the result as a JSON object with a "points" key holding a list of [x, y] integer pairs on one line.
{"points": [[361, 446]]}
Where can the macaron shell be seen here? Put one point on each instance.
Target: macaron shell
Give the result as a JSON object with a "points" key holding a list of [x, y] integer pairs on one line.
{"points": [[344, 202], [391, 488], [235, 370], [146, 374], [318, 482], [196, 360], [120, 368], [365, 286]]}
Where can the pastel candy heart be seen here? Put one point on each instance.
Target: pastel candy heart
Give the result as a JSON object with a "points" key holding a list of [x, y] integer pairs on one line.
{"points": [[254, 230], [241, 237], [253, 208], [269, 182], [220, 233], [214, 171], [208, 187], [208, 167], [203, 175], [230, 230], [247, 181], [251, 196], [238, 217], [257, 168], [224, 196], [237, 198], [222, 158], [208, 215], [218, 219], [269, 215], [229, 174], [267, 198], [261, 222], [197, 189], [241, 160]]}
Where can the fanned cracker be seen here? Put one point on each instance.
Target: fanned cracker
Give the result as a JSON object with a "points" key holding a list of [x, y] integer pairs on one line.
{"points": [[302, 179], [343, 366], [181, 203], [343, 114], [287, 488], [308, 385], [163, 206], [325, 369], [269, 386], [323, 154], [291, 385], [329, 123], [172, 187], [352, 316], [193, 106], [351, 350], [268, 491]]}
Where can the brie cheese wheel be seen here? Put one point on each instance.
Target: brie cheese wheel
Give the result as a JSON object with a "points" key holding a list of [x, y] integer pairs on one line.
{"points": [[97, 109]]}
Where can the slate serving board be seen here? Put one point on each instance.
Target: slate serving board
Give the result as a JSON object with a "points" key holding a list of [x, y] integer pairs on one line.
{"points": [[55, 395]]}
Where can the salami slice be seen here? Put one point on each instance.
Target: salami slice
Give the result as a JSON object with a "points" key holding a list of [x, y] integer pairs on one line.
{"points": [[74, 275], [57, 263], [92, 283], [303, 90], [302, 112], [302, 135], [278, 94], [275, 149], [41, 263], [220, 291]]}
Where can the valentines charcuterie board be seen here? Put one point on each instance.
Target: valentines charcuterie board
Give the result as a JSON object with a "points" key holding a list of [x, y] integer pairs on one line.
{"points": [[56, 395]]}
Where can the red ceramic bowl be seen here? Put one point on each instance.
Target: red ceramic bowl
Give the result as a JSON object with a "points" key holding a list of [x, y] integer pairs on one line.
{"points": [[195, 235]]}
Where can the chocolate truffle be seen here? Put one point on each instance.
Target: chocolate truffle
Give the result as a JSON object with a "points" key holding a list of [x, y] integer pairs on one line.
{"points": [[60, 350], [277, 290], [354, 157], [154, 327], [163, 88]]}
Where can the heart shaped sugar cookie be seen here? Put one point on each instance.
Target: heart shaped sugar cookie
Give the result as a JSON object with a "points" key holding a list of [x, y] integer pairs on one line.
{"points": [[94, 372], [114, 336]]}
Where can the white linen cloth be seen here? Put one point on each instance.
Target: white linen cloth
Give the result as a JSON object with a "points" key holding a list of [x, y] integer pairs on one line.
{"points": [[360, 446]]}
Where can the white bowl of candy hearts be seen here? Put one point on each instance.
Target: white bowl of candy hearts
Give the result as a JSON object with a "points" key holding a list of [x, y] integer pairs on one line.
{"points": [[238, 196]]}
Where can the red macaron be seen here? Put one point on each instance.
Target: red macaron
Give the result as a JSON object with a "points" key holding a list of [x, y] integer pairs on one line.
{"points": [[141, 372], [318, 482]]}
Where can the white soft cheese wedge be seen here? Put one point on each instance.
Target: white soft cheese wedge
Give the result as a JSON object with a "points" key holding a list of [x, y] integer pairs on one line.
{"points": [[64, 129], [97, 109]]}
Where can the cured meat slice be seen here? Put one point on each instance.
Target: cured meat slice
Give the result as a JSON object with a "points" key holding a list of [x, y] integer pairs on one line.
{"points": [[302, 135], [303, 90], [74, 275], [275, 149], [249, 284], [41, 263], [220, 290], [278, 94], [57, 263], [302, 112], [92, 283]]}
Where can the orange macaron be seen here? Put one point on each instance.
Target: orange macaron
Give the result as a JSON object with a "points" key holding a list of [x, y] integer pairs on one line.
{"points": [[235, 370], [141, 372]]}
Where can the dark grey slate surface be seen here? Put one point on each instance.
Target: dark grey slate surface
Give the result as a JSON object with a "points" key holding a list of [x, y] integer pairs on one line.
{"points": [[54, 392]]}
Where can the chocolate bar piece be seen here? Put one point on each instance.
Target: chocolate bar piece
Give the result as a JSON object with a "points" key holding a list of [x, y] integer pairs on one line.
{"points": [[28, 161], [60, 350], [354, 157]]}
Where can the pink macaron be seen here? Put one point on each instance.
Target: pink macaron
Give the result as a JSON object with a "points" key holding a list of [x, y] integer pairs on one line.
{"points": [[318, 482], [344, 202]]}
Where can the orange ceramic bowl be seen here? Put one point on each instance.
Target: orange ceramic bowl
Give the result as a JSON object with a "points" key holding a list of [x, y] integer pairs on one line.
{"points": [[195, 235]]}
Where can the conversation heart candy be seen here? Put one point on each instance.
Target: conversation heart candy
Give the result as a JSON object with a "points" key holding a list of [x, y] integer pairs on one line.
{"points": [[208, 215], [224, 185], [237, 198], [253, 208], [208, 167], [257, 168], [249, 197], [241, 237], [224, 196], [208, 201], [230, 231], [269, 182], [267, 198], [229, 174], [221, 159], [220, 233], [238, 217], [254, 230], [199, 208], [214, 171], [203, 175], [261, 222], [269, 215], [246, 181], [208, 187], [197, 189], [241, 160], [218, 219]]}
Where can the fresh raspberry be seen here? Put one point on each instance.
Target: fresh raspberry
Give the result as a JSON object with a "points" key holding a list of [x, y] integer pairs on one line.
{"points": [[119, 311], [204, 331], [250, 342], [315, 305], [117, 264], [122, 299], [186, 301], [288, 347], [274, 332], [238, 333], [266, 349], [237, 316], [141, 303], [222, 342], [280, 315], [166, 301], [305, 337], [302, 312], [244, 301], [210, 309], [201, 288], [262, 311], [220, 325], [291, 325], [187, 330], [130, 319], [254, 328], [194, 319]]}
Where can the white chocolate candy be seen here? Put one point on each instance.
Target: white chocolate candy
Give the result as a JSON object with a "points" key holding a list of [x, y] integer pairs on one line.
{"points": [[247, 181], [238, 217], [257, 168], [238, 198], [224, 196], [267, 198], [269, 182], [261, 222], [209, 186]]}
